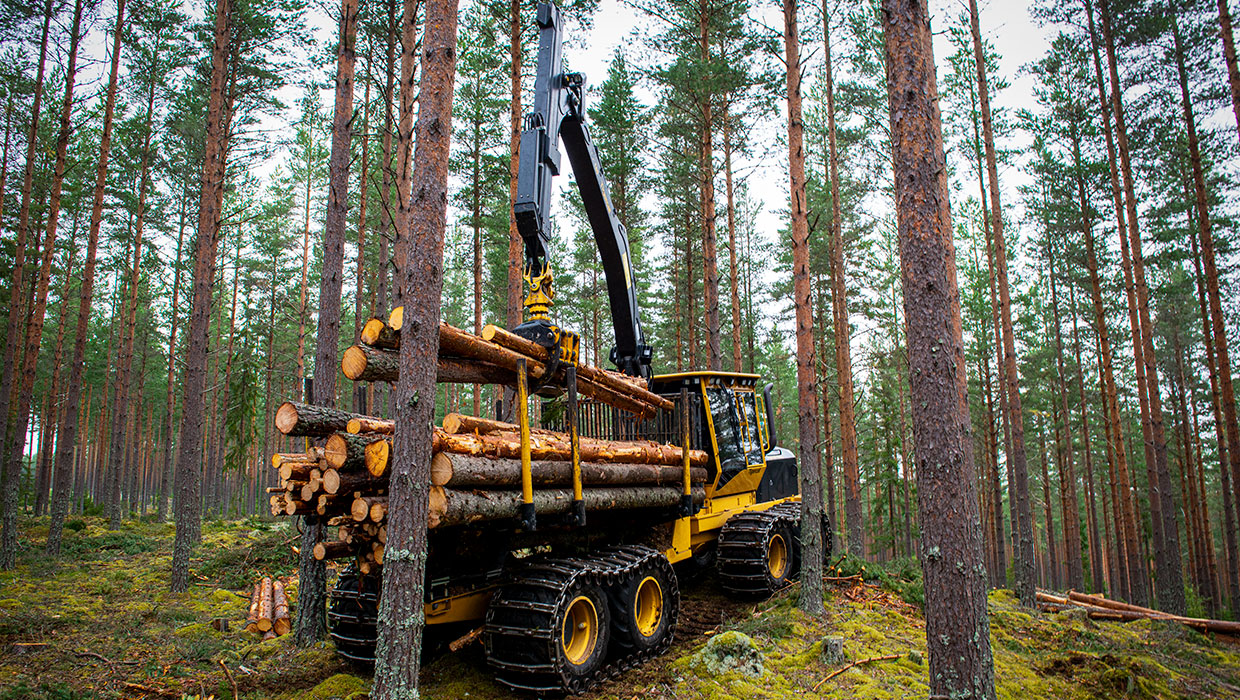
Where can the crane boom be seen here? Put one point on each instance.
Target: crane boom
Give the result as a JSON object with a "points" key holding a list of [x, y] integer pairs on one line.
{"points": [[558, 114]]}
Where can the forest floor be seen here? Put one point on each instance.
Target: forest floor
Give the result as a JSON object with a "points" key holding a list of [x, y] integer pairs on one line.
{"points": [[101, 623]]}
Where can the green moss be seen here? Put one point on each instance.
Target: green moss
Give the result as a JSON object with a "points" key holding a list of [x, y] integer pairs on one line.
{"points": [[339, 687], [730, 652]]}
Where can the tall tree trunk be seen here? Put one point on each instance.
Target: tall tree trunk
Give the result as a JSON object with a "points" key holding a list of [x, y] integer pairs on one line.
{"points": [[421, 278], [1023, 556], [1096, 546], [17, 286], [67, 442], [1163, 507], [1137, 579], [51, 418], [363, 187], [516, 261], [706, 167], [1229, 55], [1218, 332], [732, 269], [312, 572], [165, 471], [1052, 550], [34, 325], [124, 375], [957, 630], [1067, 476], [1229, 502], [807, 407], [839, 314], [188, 484]]}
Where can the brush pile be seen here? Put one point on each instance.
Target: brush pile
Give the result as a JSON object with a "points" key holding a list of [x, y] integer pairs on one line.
{"points": [[476, 462]]}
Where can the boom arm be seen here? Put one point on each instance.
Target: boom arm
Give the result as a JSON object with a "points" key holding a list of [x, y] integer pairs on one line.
{"points": [[559, 113]]}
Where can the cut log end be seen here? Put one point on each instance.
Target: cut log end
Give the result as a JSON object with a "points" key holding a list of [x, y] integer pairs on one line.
{"points": [[377, 456], [353, 364], [336, 451], [372, 331], [396, 318], [286, 417]]}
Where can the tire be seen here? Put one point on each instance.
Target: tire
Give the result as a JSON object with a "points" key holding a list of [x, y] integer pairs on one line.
{"points": [[644, 608], [548, 629], [757, 554]]}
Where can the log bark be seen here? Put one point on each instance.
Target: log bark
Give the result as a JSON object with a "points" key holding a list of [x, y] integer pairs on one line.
{"points": [[265, 605], [633, 387], [363, 363], [957, 627], [332, 550], [450, 507], [466, 471], [251, 619], [347, 451], [547, 445], [335, 482], [296, 419], [382, 426], [280, 623], [378, 334]]}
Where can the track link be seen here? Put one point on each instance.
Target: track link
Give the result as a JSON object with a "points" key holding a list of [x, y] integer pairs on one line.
{"points": [[353, 609], [521, 634]]}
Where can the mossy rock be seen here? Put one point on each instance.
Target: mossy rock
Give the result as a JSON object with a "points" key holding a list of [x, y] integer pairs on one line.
{"points": [[730, 652], [339, 687], [196, 630]]}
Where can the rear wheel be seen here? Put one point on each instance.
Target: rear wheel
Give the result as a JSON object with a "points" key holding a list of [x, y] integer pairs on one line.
{"points": [[645, 606], [757, 554]]}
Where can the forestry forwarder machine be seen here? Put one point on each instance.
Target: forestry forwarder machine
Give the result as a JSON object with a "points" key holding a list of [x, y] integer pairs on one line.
{"points": [[564, 604]]}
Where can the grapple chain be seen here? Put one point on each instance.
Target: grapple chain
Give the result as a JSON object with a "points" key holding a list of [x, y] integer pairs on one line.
{"points": [[521, 620]]}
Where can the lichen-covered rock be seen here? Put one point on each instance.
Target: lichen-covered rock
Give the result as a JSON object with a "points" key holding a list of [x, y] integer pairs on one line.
{"points": [[339, 687], [730, 652]]}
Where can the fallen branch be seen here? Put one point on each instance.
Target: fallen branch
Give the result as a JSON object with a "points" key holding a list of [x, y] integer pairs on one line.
{"points": [[858, 662], [231, 680], [464, 641], [163, 693]]}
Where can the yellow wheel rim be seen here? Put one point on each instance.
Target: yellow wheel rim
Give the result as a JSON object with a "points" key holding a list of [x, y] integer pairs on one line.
{"points": [[580, 631], [777, 556], [648, 606]]}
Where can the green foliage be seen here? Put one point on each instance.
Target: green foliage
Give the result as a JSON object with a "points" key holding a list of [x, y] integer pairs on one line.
{"points": [[236, 562], [44, 691], [127, 542], [901, 576]]}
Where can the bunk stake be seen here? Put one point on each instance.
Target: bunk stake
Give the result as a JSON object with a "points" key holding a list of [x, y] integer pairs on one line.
{"points": [[686, 498], [528, 519], [579, 506]]}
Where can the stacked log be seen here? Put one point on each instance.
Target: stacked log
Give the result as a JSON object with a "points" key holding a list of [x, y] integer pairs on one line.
{"points": [[268, 614]]}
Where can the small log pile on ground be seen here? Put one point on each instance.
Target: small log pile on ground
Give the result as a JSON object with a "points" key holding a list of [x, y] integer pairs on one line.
{"points": [[1099, 608], [476, 463], [269, 614]]}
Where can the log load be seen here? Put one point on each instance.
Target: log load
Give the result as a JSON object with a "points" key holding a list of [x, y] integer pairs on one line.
{"points": [[382, 426], [501, 350], [363, 363], [449, 507], [467, 471]]}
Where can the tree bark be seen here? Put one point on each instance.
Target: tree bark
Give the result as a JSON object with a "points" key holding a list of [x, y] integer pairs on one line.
{"points": [[957, 630], [516, 265], [188, 482], [401, 614], [807, 406], [363, 188], [1023, 556], [34, 326], [1070, 505], [733, 279], [706, 167]]}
